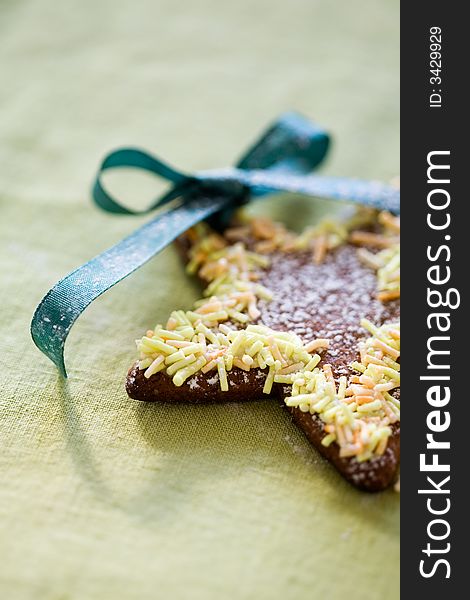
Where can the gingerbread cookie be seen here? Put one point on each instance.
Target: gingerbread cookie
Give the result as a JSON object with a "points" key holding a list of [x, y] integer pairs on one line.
{"points": [[310, 319]]}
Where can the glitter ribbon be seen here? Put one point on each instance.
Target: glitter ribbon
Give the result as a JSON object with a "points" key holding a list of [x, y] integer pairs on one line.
{"points": [[280, 161]]}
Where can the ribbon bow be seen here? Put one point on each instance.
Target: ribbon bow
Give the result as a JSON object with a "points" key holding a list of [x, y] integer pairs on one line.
{"points": [[278, 162]]}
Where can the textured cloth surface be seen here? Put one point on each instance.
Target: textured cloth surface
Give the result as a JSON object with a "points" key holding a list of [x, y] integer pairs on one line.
{"points": [[103, 497]]}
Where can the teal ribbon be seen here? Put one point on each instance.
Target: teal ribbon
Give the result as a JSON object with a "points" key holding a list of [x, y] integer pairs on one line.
{"points": [[280, 161]]}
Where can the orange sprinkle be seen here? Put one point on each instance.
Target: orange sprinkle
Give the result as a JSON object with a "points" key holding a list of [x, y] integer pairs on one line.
{"points": [[209, 307], [359, 390], [263, 228], [340, 434], [388, 220], [314, 344], [237, 233], [216, 353], [240, 364], [328, 373], [367, 381], [390, 295], [291, 369], [171, 324], [387, 349], [374, 360], [381, 446], [265, 246], [178, 343], [319, 249], [366, 238], [209, 366], [192, 234], [363, 399], [275, 350]]}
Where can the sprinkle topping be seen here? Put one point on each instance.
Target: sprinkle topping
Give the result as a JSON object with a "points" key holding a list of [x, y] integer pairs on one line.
{"points": [[219, 334], [387, 261], [358, 412], [203, 349]]}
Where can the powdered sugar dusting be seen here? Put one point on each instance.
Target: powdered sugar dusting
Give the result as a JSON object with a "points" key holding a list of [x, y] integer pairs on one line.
{"points": [[324, 301], [213, 380]]}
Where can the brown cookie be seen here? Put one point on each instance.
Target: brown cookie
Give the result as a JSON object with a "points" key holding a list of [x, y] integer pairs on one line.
{"points": [[326, 300]]}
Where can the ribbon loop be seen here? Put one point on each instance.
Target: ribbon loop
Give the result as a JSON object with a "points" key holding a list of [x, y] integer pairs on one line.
{"points": [[138, 159], [291, 144]]}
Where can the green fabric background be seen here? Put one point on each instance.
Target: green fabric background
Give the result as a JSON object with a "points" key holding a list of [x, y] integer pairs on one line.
{"points": [[103, 497]]}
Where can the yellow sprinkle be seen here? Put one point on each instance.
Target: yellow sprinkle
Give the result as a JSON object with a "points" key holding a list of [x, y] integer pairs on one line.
{"points": [[268, 384], [175, 357], [261, 362], [238, 316], [191, 349], [201, 328], [241, 365], [158, 345], [171, 323], [224, 329], [209, 366], [291, 368], [144, 363], [228, 359], [369, 407], [183, 374], [300, 399], [357, 366], [389, 372], [169, 335], [255, 348], [178, 343], [342, 387], [186, 361], [328, 439], [285, 379], [237, 342], [248, 360], [157, 365], [222, 375], [315, 344], [313, 362]]}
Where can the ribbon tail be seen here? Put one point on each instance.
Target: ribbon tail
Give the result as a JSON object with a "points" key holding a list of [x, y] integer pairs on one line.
{"points": [[373, 194], [65, 302]]}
